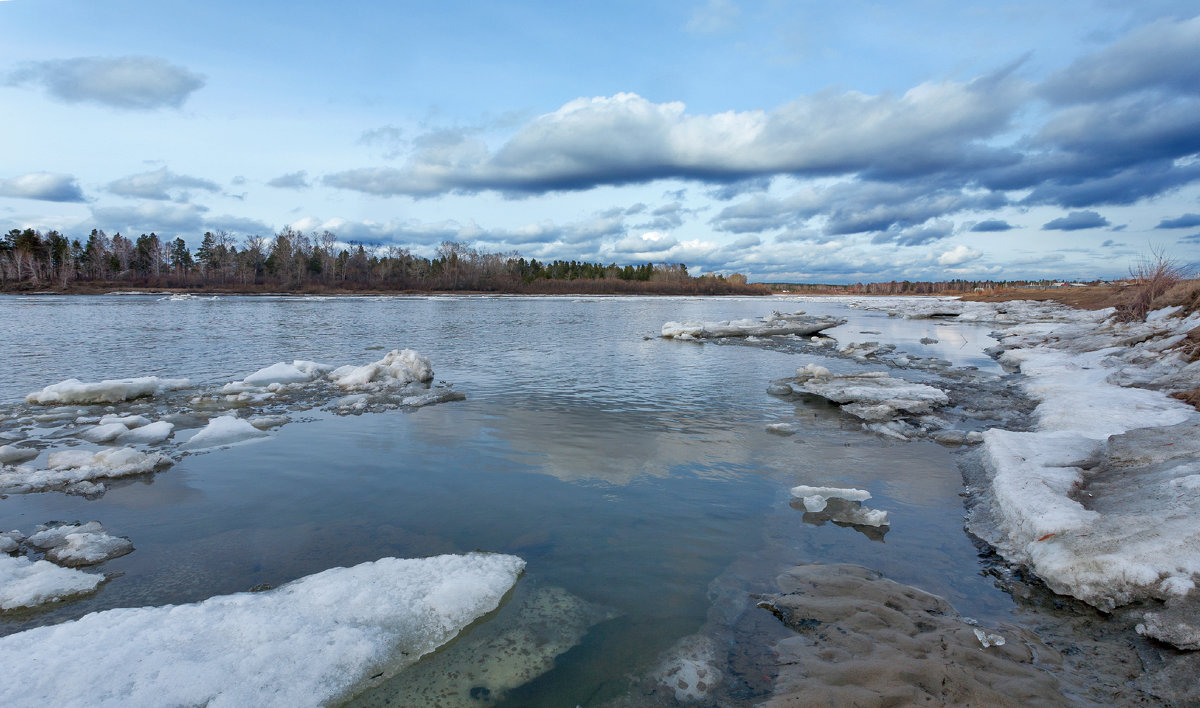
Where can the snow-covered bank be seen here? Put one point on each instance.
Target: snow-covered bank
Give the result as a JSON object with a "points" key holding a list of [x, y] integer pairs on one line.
{"points": [[303, 644], [1099, 500]]}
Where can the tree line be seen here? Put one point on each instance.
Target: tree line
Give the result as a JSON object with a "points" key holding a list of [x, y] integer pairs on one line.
{"points": [[292, 261]]}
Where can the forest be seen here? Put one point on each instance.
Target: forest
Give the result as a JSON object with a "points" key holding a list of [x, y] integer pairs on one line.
{"points": [[292, 261]]}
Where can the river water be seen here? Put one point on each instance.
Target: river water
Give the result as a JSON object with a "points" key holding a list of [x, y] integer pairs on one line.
{"points": [[634, 473]]}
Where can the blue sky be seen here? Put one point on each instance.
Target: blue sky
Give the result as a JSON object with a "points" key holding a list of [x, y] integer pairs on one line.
{"points": [[791, 141]]}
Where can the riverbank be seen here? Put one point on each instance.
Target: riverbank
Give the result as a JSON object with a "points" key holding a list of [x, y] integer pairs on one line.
{"points": [[1095, 496]]}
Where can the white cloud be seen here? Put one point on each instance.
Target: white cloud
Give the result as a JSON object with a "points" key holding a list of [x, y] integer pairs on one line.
{"points": [[958, 255]]}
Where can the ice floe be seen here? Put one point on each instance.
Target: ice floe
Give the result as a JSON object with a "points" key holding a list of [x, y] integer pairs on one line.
{"points": [[398, 367], [839, 505], [870, 395], [225, 430], [13, 455], [70, 467], [108, 391], [772, 325], [74, 545], [342, 627], [26, 583]]}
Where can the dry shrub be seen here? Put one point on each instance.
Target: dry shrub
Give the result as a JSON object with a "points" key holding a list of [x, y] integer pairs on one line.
{"points": [[1192, 397], [1153, 276]]}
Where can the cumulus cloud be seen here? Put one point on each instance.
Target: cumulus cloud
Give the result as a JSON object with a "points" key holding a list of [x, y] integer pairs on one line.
{"points": [[651, 244], [129, 82], [957, 256], [626, 139], [156, 183], [1186, 221], [43, 186], [292, 180], [992, 225], [1075, 221]]}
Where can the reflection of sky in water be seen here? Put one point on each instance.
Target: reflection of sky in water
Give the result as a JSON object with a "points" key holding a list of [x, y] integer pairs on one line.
{"points": [[631, 472]]}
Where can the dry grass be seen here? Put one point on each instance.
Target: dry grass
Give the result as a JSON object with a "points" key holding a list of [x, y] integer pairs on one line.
{"points": [[1153, 277], [1192, 397], [1090, 297]]}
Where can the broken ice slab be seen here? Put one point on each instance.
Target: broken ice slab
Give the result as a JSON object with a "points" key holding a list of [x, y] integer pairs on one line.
{"points": [[774, 324]]}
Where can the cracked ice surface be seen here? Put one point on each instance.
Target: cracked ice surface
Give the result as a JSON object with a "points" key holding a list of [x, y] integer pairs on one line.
{"points": [[342, 625]]}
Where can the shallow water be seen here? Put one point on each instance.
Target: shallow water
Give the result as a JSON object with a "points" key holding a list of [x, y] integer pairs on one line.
{"points": [[630, 471]]}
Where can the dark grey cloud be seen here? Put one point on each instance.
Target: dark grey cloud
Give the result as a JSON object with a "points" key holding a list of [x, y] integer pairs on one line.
{"points": [[129, 82], [855, 207], [1075, 221], [935, 230], [43, 186], [992, 225], [733, 190], [1109, 243], [158, 184], [292, 180], [1193, 239], [1187, 221], [1164, 54]]}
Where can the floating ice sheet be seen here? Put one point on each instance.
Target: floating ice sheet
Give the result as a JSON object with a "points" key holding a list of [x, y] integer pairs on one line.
{"points": [[108, 391], [70, 467], [303, 644], [775, 324], [26, 583]]}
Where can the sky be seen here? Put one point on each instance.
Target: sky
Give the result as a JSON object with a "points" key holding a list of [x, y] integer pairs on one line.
{"points": [[788, 141]]}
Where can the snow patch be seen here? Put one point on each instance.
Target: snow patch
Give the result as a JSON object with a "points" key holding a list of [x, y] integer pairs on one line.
{"points": [[26, 583]]}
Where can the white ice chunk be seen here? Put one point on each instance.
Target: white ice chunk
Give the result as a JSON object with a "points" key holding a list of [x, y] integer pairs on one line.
{"points": [[873, 395], [987, 639], [10, 540], [26, 583], [88, 549], [225, 430], [398, 368], [71, 466], [147, 434], [104, 432], [12, 455], [306, 643], [815, 498], [108, 391], [129, 421], [299, 371], [772, 325], [50, 536]]}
